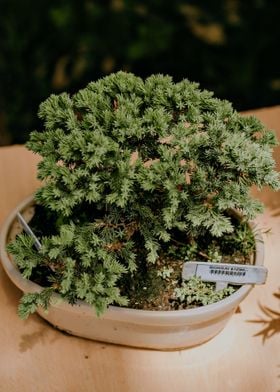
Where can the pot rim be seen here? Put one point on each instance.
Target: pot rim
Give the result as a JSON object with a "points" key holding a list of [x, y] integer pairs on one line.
{"points": [[163, 317]]}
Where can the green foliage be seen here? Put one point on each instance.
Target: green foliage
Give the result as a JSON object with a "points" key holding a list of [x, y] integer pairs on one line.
{"points": [[195, 292], [129, 166], [31, 301], [25, 254], [227, 45]]}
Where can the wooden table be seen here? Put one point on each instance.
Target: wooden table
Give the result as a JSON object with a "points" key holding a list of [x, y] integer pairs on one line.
{"points": [[244, 357]]}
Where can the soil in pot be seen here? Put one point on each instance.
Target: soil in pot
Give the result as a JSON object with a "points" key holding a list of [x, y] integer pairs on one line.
{"points": [[159, 286]]}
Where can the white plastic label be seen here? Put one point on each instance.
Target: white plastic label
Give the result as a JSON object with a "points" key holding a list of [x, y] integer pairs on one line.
{"points": [[237, 274], [29, 231]]}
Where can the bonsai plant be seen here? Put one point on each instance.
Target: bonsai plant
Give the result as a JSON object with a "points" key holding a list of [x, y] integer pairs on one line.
{"points": [[139, 177]]}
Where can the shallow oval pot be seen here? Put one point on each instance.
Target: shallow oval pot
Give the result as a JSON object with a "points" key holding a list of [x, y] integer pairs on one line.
{"points": [[161, 330]]}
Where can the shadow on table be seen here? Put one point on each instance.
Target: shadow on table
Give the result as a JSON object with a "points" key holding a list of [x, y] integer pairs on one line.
{"points": [[270, 321], [42, 335]]}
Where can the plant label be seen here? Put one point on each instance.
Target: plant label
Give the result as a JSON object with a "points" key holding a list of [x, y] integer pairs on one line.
{"points": [[29, 231], [223, 274]]}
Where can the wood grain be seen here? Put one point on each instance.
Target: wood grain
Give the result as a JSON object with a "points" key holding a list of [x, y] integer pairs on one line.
{"points": [[34, 357]]}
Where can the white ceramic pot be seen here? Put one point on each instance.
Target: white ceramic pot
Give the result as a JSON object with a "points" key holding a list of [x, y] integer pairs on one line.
{"points": [[162, 330]]}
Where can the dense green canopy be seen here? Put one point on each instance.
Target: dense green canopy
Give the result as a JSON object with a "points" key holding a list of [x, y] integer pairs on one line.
{"points": [[130, 165]]}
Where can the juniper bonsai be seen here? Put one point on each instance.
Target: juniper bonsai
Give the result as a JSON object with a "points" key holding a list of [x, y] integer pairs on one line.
{"points": [[139, 176]]}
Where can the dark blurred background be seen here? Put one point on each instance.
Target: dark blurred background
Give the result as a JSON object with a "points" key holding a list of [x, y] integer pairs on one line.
{"points": [[229, 46]]}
